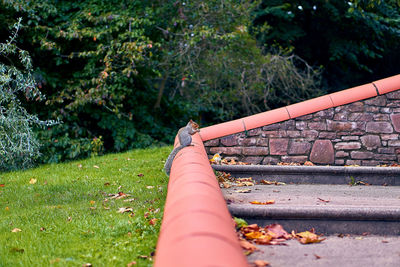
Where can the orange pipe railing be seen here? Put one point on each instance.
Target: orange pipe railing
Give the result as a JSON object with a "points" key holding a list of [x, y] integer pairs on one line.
{"points": [[197, 228]]}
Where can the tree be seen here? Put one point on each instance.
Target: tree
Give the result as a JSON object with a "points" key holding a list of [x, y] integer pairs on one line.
{"points": [[355, 41]]}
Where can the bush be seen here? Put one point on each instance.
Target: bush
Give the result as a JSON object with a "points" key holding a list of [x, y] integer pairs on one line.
{"points": [[18, 146]]}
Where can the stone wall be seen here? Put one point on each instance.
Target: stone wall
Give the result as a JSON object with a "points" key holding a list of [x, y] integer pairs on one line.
{"points": [[361, 133]]}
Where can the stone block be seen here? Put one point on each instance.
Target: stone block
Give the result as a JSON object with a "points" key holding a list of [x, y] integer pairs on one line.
{"points": [[393, 104], [301, 125], [385, 157], [350, 138], [355, 107], [347, 145], [309, 134], [389, 136], [320, 126], [270, 161], [370, 163], [361, 155], [371, 141], [299, 148], [249, 141], [360, 117], [394, 143], [213, 142], [293, 134], [353, 162], [324, 114], [372, 109], [226, 150], [294, 159], [379, 127], [377, 101], [253, 160], [393, 95], [385, 110], [322, 152], [386, 150], [278, 133], [275, 126], [339, 162], [278, 146], [341, 154], [254, 132], [262, 142], [381, 117], [341, 116], [340, 125], [395, 118], [255, 151], [230, 140], [327, 135]]}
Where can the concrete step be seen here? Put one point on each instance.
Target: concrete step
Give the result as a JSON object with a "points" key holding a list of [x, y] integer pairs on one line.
{"points": [[329, 209], [315, 174]]}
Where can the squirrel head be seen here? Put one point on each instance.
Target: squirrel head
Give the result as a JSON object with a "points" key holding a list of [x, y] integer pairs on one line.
{"points": [[194, 125]]}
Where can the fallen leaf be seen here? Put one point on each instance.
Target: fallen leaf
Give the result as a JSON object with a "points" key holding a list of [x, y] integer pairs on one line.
{"points": [[106, 184], [271, 182], [126, 209], [243, 191], [42, 229], [308, 163], [263, 203], [92, 202], [323, 200], [2, 185], [149, 187], [153, 221], [226, 185], [55, 260], [7, 208], [140, 175], [385, 241], [95, 166], [261, 263], [87, 265], [317, 257], [246, 245], [308, 237], [278, 230], [130, 200], [80, 166], [19, 250], [131, 264], [16, 230], [32, 181]]}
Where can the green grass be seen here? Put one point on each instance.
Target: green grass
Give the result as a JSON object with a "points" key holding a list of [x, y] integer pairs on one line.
{"points": [[68, 218]]}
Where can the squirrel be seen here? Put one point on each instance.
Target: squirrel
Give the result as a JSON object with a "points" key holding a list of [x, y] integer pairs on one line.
{"points": [[185, 139]]}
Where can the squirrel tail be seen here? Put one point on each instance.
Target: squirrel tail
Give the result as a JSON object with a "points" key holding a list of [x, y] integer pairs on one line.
{"points": [[170, 159]]}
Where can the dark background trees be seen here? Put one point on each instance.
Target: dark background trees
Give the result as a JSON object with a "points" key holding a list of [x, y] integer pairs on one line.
{"points": [[127, 74]]}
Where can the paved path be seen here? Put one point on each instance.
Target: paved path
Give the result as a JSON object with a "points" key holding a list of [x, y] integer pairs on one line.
{"points": [[353, 251]]}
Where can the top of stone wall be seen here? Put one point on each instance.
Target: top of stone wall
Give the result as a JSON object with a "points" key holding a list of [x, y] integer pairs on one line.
{"points": [[343, 97]]}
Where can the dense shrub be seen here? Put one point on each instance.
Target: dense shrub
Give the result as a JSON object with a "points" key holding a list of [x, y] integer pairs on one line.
{"points": [[19, 147]]}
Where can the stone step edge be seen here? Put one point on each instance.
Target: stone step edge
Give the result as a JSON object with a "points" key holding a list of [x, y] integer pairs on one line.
{"points": [[312, 212]]}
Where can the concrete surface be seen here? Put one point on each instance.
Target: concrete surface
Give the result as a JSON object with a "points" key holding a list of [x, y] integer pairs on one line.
{"points": [[315, 174], [330, 209], [352, 251]]}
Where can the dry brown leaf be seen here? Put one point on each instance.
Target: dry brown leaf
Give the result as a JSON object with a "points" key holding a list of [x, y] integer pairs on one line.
{"points": [[16, 230], [2, 185], [131, 264], [153, 221], [308, 237], [323, 200], [268, 202], [226, 185], [243, 191], [32, 181], [246, 245], [125, 209], [95, 166], [308, 163]]}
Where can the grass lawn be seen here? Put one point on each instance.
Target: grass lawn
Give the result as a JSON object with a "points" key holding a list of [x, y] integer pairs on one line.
{"points": [[104, 211]]}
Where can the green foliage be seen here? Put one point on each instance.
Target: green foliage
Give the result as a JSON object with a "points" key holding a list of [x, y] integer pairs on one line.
{"points": [[213, 61], [134, 72], [351, 39], [19, 147]]}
